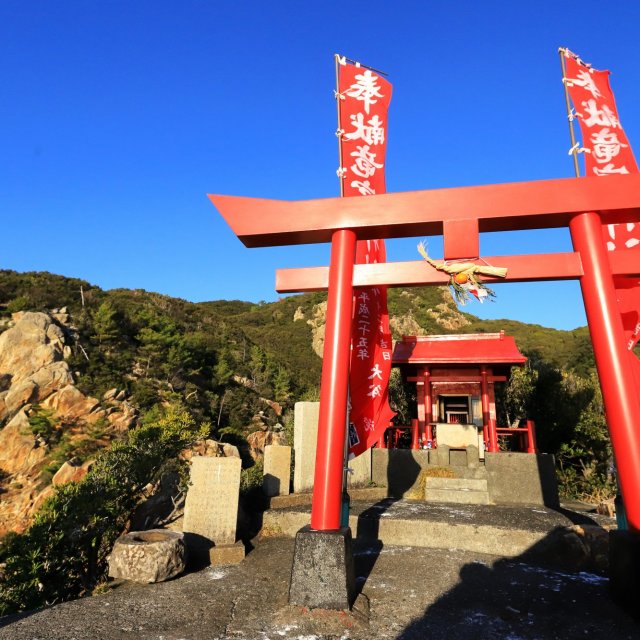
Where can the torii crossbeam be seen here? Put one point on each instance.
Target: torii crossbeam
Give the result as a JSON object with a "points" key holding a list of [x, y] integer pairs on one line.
{"points": [[460, 214]]}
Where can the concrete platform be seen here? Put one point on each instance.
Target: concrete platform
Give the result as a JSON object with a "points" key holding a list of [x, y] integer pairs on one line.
{"points": [[496, 529]]}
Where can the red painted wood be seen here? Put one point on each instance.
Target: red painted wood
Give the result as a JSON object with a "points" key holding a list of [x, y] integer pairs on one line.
{"points": [[473, 348], [536, 267], [501, 207], [415, 434], [532, 445], [476, 379], [428, 406], [487, 422], [421, 393], [461, 239], [619, 391], [525, 268], [327, 488]]}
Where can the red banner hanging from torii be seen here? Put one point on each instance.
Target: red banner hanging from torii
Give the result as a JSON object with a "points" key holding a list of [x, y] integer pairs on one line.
{"points": [[607, 152], [363, 102]]}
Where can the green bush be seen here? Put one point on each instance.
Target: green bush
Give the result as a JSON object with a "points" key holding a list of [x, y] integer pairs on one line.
{"points": [[63, 553], [43, 425]]}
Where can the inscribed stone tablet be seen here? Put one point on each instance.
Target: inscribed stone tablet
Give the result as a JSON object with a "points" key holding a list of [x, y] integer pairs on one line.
{"points": [[277, 470], [211, 508]]}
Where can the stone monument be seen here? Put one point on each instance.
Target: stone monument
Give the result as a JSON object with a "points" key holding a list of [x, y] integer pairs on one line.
{"points": [[211, 510], [277, 470]]}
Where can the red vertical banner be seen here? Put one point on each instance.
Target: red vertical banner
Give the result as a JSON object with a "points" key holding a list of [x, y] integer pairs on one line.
{"points": [[363, 102], [607, 152]]}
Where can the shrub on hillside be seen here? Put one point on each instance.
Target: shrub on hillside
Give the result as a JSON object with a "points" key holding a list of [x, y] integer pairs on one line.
{"points": [[63, 553]]}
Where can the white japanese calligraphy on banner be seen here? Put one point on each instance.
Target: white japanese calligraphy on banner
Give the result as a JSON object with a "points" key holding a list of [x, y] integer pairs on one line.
{"points": [[607, 152], [364, 99]]}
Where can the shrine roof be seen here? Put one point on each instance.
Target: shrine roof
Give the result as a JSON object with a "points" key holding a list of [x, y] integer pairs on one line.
{"points": [[476, 348]]}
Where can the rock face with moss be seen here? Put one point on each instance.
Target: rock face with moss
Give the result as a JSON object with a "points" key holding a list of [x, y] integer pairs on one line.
{"points": [[46, 420]]}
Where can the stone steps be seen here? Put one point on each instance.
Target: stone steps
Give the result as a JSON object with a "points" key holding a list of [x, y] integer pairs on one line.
{"points": [[401, 526], [468, 472]]}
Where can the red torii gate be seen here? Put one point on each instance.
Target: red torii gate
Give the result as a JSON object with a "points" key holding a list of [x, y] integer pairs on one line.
{"points": [[460, 214]]}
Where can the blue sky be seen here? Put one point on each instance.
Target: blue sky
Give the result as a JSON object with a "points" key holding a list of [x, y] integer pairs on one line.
{"points": [[118, 117]]}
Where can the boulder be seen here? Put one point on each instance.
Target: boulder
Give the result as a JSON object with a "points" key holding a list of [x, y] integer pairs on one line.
{"points": [[35, 387], [71, 472], [110, 394], [32, 343], [69, 403], [148, 556], [230, 450], [123, 418], [211, 448], [19, 451], [258, 440]]}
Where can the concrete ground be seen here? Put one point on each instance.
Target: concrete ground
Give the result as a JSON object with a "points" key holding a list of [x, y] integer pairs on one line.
{"points": [[407, 592]]}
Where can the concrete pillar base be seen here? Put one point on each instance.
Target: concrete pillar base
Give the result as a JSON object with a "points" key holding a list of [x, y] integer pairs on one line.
{"points": [[323, 575], [624, 570]]}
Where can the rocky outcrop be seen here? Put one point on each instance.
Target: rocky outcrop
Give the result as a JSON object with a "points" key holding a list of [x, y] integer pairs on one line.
{"points": [[31, 362], [34, 376], [317, 324]]}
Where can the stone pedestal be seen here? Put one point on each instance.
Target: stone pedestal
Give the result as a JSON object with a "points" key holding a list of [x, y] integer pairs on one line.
{"points": [[226, 554], [624, 570], [323, 575], [277, 470]]}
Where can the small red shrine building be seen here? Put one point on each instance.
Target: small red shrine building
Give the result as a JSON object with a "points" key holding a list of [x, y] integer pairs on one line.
{"points": [[455, 378]]}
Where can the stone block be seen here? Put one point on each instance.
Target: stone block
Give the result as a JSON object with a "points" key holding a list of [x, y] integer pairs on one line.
{"points": [[148, 556], [624, 570], [442, 455], [226, 554], [457, 458], [305, 436], [522, 478], [277, 470], [398, 469], [457, 436], [323, 575], [211, 507], [473, 456]]}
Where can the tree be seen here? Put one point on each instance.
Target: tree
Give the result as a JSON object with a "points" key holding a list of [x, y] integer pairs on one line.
{"points": [[105, 323], [518, 394]]}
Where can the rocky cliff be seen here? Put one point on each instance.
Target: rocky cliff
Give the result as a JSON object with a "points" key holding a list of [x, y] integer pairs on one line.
{"points": [[48, 427]]}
